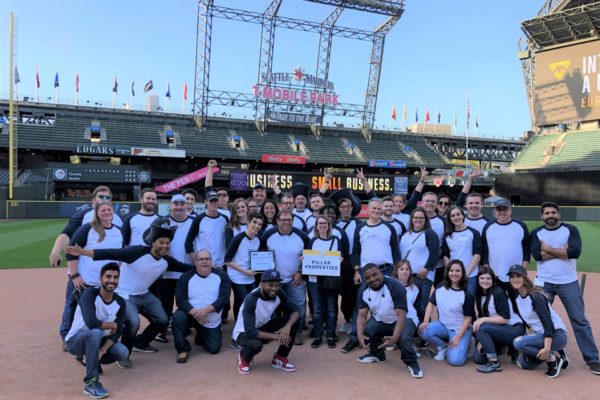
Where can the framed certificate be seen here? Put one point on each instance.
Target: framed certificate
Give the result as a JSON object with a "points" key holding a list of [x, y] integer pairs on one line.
{"points": [[262, 260]]}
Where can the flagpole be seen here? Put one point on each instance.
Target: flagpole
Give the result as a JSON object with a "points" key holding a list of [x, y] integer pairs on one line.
{"points": [[37, 86], [77, 88], [467, 136]]}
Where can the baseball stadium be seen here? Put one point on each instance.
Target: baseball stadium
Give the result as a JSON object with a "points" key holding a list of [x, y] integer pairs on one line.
{"points": [[292, 129]]}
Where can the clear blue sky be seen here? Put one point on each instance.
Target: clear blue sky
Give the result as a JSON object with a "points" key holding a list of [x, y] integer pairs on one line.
{"points": [[437, 53]]}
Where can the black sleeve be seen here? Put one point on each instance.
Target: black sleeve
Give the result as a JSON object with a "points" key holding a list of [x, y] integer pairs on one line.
{"points": [[228, 236], [535, 245], [357, 247], [485, 251], [371, 194], [417, 304], [360, 303], [181, 292], [468, 305], [249, 315], [411, 204], [192, 233], [476, 241], [233, 247], [79, 238], [541, 306], [574, 249], [126, 229], [128, 254], [525, 242], [398, 293], [433, 298], [87, 303], [177, 266], [345, 245], [445, 248], [224, 290], [501, 303], [74, 222], [433, 245], [394, 244], [120, 320], [265, 237], [462, 198]]}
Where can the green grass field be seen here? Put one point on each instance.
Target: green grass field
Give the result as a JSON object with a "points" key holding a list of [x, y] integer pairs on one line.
{"points": [[27, 243]]}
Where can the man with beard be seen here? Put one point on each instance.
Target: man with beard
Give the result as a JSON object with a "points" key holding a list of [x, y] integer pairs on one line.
{"points": [[139, 222], [556, 246], [142, 266], [388, 216], [98, 324], [266, 315]]}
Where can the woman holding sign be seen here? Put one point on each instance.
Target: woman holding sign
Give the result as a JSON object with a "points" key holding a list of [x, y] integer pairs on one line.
{"points": [[324, 290], [237, 260]]}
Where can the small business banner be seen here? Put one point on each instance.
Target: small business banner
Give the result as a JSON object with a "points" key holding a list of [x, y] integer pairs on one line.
{"points": [[321, 263]]}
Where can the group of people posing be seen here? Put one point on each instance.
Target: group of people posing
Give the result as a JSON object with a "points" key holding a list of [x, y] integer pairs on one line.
{"points": [[415, 277]]}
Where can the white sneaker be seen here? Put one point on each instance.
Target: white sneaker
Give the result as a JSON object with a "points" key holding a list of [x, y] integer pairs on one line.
{"points": [[441, 354]]}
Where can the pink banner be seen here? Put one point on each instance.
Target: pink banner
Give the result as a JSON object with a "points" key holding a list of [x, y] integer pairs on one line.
{"points": [[184, 180]]}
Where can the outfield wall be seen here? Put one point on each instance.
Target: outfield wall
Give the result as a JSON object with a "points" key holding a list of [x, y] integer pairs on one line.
{"points": [[64, 209]]}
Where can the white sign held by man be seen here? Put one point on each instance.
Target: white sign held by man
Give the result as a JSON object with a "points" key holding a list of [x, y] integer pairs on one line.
{"points": [[321, 263]]}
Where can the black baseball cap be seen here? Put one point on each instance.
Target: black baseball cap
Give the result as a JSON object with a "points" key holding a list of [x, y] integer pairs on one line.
{"points": [[212, 195], [502, 203], [259, 186], [517, 269], [270, 275]]}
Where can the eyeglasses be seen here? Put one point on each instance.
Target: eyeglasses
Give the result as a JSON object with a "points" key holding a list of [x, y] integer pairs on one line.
{"points": [[443, 203], [223, 195], [104, 197]]}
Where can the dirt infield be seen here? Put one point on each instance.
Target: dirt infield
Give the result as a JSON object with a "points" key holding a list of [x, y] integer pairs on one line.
{"points": [[33, 366]]}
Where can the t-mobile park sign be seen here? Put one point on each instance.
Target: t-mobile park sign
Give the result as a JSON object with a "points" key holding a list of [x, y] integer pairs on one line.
{"points": [[270, 88]]}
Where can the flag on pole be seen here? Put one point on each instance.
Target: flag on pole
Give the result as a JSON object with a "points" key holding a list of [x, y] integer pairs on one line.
{"points": [[455, 119], [56, 84], [394, 112], [132, 88], [468, 111], [184, 91], [148, 86], [116, 86], [37, 78], [476, 122], [168, 94], [416, 115], [439, 117], [404, 113], [77, 83], [427, 116], [17, 79]]}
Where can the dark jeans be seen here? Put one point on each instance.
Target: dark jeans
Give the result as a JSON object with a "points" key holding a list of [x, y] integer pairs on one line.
{"points": [[405, 344], [240, 291], [150, 307], [424, 286], [323, 298], [376, 330], [495, 336], [87, 342], [349, 292], [209, 338], [251, 347], [71, 300], [530, 345], [166, 294], [571, 298]]}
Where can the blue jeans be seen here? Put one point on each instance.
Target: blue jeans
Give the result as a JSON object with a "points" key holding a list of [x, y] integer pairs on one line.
{"points": [[151, 308], [495, 336], [71, 301], [425, 286], [572, 300], [87, 342], [320, 298], [209, 338], [297, 295], [240, 291], [528, 346], [439, 335], [253, 346]]}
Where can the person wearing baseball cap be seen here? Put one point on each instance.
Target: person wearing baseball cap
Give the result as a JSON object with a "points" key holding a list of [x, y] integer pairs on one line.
{"points": [[549, 334], [505, 243], [266, 315]]}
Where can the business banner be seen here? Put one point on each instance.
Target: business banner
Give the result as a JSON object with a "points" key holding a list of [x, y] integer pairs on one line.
{"points": [[184, 180]]}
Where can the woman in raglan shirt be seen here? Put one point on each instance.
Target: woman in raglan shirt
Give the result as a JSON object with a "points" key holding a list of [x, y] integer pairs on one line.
{"points": [[462, 243], [451, 333], [239, 220], [420, 246], [549, 334], [269, 212], [496, 325], [324, 291]]}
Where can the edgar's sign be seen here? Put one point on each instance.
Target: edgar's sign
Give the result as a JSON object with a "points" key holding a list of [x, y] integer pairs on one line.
{"points": [[321, 263]]}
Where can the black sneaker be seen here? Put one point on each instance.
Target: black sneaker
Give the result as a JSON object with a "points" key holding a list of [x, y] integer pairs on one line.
{"points": [[145, 349], [554, 367], [316, 343], [594, 368], [373, 358], [331, 343], [351, 345], [490, 367], [124, 364], [565, 359], [422, 345], [161, 337], [415, 370]]}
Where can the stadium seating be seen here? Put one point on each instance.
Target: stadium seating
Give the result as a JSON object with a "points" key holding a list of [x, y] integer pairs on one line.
{"points": [[534, 152]]}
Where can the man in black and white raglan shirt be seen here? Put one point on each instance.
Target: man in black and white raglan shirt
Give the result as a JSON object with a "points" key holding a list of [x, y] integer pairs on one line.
{"points": [[288, 243], [388, 216], [556, 246], [142, 266], [473, 202], [97, 327], [136, 224], [505, 243], [385, 299], [201, 295], [266, 314]]}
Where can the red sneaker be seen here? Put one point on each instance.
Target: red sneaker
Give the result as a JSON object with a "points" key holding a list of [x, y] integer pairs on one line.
{"points": [[282, 363], [243, 365]]}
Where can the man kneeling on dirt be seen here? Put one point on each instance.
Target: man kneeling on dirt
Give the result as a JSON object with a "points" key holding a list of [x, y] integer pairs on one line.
{"points": [[96, 329], [265, 315]]}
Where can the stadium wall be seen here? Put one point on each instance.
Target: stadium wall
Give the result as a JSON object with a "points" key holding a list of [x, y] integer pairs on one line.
{"points": [[573, 188]]}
